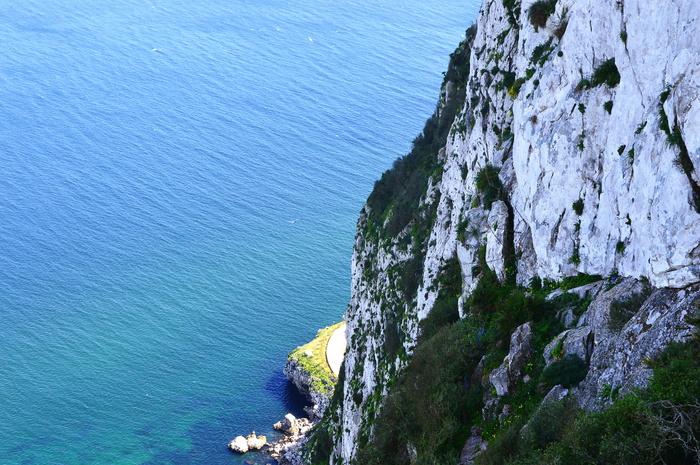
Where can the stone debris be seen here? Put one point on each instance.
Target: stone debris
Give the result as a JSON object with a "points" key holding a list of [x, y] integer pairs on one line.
{"points": [[286, 449]]}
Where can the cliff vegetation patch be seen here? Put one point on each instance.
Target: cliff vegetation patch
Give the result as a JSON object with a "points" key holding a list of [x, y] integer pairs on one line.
{"points": [[656, 425], [540, 11]]}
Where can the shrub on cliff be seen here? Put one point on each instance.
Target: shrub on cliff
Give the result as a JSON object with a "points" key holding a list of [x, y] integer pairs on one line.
{"points": [[540, 11], [607, 73], [432, 405], [659, 424], [398, 192], [445, 310], [489, 184], [568, 371]]}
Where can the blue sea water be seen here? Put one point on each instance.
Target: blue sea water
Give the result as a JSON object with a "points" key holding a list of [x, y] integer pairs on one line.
{"points": [[155, 154]]}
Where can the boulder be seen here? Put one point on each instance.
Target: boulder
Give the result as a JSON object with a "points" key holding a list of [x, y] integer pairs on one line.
{"points": [[239, 445], [474, 446], [256, 442], [505, 377], [288, 426], [579, 341], [555, 394]]}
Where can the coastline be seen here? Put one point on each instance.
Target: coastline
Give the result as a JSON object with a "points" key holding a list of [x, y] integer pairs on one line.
{"points": [[313, 368]]}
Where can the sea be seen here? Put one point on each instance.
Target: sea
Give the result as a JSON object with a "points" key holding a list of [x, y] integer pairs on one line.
{"points": [[179, 191]]}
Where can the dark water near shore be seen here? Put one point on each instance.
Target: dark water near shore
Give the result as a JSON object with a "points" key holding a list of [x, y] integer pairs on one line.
{"points": [[155, 155]]}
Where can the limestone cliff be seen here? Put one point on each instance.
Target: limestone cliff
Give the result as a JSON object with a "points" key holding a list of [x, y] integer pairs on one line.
{"points": [[565, 142]]}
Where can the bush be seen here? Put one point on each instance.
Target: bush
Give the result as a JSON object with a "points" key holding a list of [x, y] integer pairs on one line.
{"points": [[568, 371], [541, 52], [430, 406], [608, 106], [578, 207], [411, 274], [547, 424], [607, 73], [579, 280], [676, 373], [540, 11], [399, 190], [488, 183], [445, 311], [620, 247], [575, 257]]}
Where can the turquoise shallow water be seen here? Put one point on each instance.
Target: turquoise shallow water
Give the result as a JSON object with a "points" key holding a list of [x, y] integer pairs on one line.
{"points": [[154, 154]]}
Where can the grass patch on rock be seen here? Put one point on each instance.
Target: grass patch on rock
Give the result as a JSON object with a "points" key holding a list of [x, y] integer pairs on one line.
{"points": [[311, 357]]}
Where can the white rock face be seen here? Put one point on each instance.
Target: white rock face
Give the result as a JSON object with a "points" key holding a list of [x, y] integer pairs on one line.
{"points": [[554, 145]]}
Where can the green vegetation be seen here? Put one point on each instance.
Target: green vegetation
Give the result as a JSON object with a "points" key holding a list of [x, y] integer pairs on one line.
{"points": [[541, 53], [578, 207], [607, 74], [312, 358], [579, 280], [583, 84], [445, 310], [434, 404], [608, 106], [620, 247], [318, 448], [489, 185], [567, 371], [513, 12], [659, 424], [575, 258], [622, 310], [396, 195], [540, 11]]}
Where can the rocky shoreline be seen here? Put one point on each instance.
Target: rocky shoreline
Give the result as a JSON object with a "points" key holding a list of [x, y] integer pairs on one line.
{"points": [[285, 449], [308, 369]]}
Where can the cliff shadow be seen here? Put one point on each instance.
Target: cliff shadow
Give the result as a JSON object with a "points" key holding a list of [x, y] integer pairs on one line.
{"points": [[284, 391]]}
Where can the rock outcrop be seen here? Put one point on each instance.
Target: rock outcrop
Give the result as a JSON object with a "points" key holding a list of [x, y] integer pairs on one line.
{"points": [[239, 445], [252, 442], [308, 369], [505, 377], [287, 450]]}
